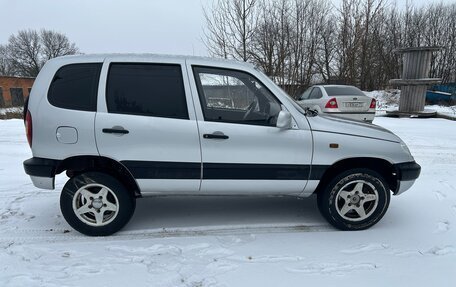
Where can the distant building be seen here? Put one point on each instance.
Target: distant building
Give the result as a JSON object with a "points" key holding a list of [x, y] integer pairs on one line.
{"points": [[14, 90]]}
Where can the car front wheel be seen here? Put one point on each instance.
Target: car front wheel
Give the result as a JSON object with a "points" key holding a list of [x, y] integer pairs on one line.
{"points": [[96, 204], [354, 200]]}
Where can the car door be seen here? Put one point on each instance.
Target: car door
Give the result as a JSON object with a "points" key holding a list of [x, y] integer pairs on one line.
{"points": [[243, 152], [146, 121]]}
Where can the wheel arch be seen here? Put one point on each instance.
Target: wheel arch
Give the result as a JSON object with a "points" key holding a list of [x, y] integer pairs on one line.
{"points": [[79, 164], [381, 166]]}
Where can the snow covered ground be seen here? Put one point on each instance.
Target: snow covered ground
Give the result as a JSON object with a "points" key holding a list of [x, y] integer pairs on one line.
{"points": [[188, 241]]}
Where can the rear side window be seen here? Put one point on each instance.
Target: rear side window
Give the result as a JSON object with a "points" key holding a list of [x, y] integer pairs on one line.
{"points": [[147, 90], [316, 93], [75, 87], [306, 94]]}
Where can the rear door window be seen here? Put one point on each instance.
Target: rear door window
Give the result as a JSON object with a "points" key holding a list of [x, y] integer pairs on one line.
{"points": [[75, 87], [155, 90]]}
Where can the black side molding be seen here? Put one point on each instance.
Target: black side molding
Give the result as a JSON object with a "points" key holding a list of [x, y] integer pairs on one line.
{"points": [[42, 167], [407, 170], [220, 171], [243, 171], [163, 170]]}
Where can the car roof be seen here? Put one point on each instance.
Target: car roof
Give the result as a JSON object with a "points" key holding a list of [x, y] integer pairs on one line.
{"points": [[124, 57], [335, 86]]}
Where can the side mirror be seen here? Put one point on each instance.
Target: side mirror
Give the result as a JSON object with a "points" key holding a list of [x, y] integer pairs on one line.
{"points": [[284, 120]]}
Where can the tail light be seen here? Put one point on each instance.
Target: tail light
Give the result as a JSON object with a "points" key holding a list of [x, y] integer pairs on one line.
{"points": [[331, 104], [373, 104], [29, 128]]}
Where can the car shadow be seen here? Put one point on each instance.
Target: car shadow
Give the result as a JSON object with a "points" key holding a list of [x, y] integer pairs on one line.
{"points": [[215, 211]]}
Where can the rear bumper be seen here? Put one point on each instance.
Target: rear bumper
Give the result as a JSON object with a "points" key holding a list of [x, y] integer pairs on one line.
{"points": [[42, 171], [361, 116], [406, 174]]}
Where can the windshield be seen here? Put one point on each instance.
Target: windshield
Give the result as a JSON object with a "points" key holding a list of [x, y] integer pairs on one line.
{"points": [[288, 97], [293, 101], [343, 91]]}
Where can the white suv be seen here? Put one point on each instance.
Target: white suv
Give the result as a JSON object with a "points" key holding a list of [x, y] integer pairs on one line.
{"points": [[128, 126]]}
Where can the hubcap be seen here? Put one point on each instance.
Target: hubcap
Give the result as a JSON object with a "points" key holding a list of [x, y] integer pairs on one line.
{"points": [[95, 204], [357, 200]]}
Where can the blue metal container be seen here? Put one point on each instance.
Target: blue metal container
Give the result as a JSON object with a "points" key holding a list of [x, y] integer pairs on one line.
{"points": [[443, 94]]}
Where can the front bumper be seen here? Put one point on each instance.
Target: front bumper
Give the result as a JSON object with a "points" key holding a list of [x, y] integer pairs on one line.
{"points": [[406, 174], [42, 171]]}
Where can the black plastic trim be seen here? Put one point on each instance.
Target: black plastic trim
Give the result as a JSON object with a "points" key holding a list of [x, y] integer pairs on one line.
{"points": [[42, 167], [407, 170], [317, 171], [163, 170], [192, 170], [255, 171], [214, 171]]}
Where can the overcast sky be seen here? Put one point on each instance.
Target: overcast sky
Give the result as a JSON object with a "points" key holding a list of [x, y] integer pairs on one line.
{"points": [[99, 26]]}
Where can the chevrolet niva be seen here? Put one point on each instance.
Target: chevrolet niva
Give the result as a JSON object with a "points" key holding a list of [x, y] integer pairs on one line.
{"points": [[129, 126]]}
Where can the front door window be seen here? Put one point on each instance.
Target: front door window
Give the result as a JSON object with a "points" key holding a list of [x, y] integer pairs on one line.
{"points": [[235, 97]]}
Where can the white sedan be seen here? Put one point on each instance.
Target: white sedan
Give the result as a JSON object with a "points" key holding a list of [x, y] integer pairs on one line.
{"points": [[339, 100]]}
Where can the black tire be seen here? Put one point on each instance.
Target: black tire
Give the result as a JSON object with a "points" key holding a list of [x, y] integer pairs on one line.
{"points": [[331, 203], [117, 195]]}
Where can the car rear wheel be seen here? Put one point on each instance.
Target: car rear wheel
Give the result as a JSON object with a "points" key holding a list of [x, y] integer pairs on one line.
{"points": [[96, 204], [354, 200]]}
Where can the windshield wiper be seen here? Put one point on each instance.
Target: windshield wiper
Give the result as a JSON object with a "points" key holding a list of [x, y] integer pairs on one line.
{"points": [[310, 112]]}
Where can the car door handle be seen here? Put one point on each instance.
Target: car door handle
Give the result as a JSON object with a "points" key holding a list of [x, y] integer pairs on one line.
{"points": [[115, 130], [216, 135]]}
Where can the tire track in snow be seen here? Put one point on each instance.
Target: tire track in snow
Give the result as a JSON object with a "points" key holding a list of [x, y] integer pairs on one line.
{"points": [[440, 251], [442, 227], [366, 248], [333, 268], [440, 195], [40, 235]]}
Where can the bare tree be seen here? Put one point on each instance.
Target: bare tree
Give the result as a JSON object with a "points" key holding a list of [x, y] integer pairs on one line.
{"points": [[55, 44], [27, 51], [5, 63], [272, 40], [216, 32], [327, 54], [301, 42], [24, 51], [264, 42], [231, 25], [289, 41], [372, 9]]}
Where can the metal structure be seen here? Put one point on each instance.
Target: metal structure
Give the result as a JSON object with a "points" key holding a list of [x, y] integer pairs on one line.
{"points": [[415, 80]]}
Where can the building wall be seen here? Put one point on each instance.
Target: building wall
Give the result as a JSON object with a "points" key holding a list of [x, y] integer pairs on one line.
{"points": [[14, 90]]}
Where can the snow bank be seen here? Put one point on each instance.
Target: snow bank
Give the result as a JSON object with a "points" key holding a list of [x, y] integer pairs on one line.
{"points": [[4, 111], [389, 100]]}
